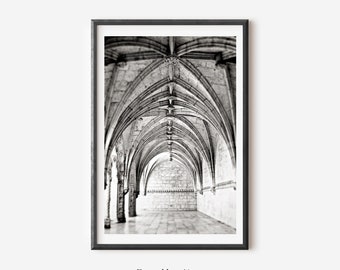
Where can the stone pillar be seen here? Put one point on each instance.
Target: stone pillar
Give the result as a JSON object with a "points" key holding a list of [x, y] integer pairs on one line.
{"points": [[132, 201], [120, 195], [107, 223]]}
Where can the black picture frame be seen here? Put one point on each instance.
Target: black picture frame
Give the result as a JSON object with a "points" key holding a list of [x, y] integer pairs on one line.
{"points": [[94, 125]]}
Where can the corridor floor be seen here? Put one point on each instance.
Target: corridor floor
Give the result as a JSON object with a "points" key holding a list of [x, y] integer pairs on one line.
{"points": [[181, 222]]}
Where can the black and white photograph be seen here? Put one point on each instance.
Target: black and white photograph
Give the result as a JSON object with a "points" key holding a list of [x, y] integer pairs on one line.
{"points": [[169, 135], [170, 147]]}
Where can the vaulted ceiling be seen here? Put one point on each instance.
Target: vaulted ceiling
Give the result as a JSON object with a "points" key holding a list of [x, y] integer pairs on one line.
{"points": [[169, 98]]}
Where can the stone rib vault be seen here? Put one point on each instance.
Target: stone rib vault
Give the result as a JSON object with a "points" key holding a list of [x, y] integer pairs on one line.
{"points": [[170, 99]]}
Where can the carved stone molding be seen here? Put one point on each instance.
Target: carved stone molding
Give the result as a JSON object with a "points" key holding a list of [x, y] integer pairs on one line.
{"points": [[222, 185], [171, 191]]}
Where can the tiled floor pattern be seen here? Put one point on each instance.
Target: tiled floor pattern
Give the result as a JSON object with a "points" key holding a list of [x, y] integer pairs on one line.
{"points": [[181, 222]]}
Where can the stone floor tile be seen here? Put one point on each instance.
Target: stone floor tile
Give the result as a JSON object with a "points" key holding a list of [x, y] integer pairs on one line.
{"points": [[171, 222]]}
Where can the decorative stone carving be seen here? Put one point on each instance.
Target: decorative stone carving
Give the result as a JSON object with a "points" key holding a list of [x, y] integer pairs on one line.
{"points": [[171, 60]]}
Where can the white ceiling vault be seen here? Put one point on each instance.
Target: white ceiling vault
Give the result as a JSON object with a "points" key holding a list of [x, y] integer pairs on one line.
{"points": [[169, 98]]}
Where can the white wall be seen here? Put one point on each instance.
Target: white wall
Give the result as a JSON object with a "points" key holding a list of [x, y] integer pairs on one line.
{"points": [[222, 204], [45, 135]]}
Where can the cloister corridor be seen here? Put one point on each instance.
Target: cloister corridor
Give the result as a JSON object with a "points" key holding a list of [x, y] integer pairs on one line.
{"points": [[170, 135]]}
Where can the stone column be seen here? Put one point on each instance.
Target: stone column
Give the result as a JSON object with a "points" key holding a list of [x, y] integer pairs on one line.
{"points": [[132, 201], [213, 182], [120, 195], [107, 223]]}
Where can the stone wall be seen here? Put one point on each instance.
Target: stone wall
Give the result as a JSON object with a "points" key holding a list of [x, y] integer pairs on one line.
{"points": [[170, 187], [220, 205], [177, 201]]}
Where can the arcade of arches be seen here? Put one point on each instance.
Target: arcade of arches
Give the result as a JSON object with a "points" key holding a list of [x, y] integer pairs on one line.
{"points": [[170, 120]]}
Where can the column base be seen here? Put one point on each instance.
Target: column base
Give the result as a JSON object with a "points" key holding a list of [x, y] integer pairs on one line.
{"points": [[107, 223], [121, 219], [133, 214]]}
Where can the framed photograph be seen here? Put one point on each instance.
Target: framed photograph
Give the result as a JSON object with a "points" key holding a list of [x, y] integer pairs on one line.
{"points": [[169, 134]]}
